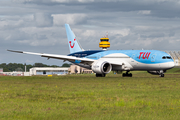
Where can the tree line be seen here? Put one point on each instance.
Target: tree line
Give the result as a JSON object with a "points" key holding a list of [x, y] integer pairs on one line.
{"points": [[21, 67]]}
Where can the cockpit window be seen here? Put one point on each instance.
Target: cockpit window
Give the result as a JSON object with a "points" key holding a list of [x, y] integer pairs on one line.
{"points": [[166, 57], [163, 57], [169, 57]]}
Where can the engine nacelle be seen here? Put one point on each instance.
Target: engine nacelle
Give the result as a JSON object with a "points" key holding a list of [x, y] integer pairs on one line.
{"points": [[153, 72], [101, 67], [158, 72]]}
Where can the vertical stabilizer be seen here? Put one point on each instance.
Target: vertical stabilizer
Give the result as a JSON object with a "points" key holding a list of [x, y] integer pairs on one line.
{"points": [[74, 46]]}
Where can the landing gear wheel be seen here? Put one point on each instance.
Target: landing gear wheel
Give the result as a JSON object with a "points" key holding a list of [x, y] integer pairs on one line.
{"points": [[130, 75], [100, 75], [103, 75], [126, 74]]}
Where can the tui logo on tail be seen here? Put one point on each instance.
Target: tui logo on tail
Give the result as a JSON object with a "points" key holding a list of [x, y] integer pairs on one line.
{"points": [[72, 46]]}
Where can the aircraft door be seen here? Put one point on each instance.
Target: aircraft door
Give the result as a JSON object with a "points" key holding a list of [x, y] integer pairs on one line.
{"points": [[132, 58], [133, 62], [153, 57]]}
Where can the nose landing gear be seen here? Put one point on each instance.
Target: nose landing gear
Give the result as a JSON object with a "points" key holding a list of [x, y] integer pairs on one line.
{"points": [[161, 75], [158, 72]]}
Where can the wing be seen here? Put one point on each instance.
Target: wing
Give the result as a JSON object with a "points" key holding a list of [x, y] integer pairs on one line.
{"points": [[61, 57]]}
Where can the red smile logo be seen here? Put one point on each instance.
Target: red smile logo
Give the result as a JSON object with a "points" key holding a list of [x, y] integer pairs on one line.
{"points": [[72, 46]]}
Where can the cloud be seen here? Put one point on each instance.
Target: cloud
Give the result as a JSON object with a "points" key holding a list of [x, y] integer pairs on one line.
{"points": [[68, 1], [43, 36], [13, 22], [43, 20], [38, 25], [171, 34], [156, 35], [61, 19], [145, 12]]}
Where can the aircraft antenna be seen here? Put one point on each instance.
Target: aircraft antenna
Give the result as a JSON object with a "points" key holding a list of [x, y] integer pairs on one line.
{"points": [[107, 34]]}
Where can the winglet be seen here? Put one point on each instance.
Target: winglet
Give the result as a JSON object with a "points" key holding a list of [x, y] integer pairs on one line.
{"points": [[15, 51]]}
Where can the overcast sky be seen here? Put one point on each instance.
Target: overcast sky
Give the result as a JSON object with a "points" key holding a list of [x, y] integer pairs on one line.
{"points": [[38, 26]]}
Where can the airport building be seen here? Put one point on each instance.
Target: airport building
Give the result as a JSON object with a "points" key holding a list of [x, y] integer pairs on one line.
{"points": [[48, 71], [14, 73], [74, 69], [1, 70]]}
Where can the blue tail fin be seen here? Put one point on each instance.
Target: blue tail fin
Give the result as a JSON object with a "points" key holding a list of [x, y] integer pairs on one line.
{"points": [[72, 42]]}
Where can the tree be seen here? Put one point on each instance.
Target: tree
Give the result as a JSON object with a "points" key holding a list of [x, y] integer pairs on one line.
{"points": [[13, 66], [28, 67], [39, 65], [54, 66], [66, 65], [19, 70], [6, 70]]}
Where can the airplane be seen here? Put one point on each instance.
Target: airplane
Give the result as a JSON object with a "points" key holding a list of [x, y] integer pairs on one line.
{"points": [[103, 62]]}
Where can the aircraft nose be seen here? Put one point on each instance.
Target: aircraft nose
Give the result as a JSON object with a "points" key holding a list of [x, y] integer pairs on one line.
{"points": [[171, 64]]}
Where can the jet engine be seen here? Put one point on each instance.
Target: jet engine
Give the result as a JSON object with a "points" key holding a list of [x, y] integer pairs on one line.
{"points": [[157, 72], [101, 67]]}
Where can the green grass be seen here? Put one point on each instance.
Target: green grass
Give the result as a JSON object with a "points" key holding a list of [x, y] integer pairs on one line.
{"points": [[141, 97]]}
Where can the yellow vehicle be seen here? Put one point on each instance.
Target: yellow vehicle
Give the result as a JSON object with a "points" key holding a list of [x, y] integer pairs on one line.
{"points": [[104, 43]]}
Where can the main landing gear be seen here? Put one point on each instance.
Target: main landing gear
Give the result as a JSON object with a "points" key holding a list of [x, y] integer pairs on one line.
{"points": [[126, 74], [101, 75]]}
